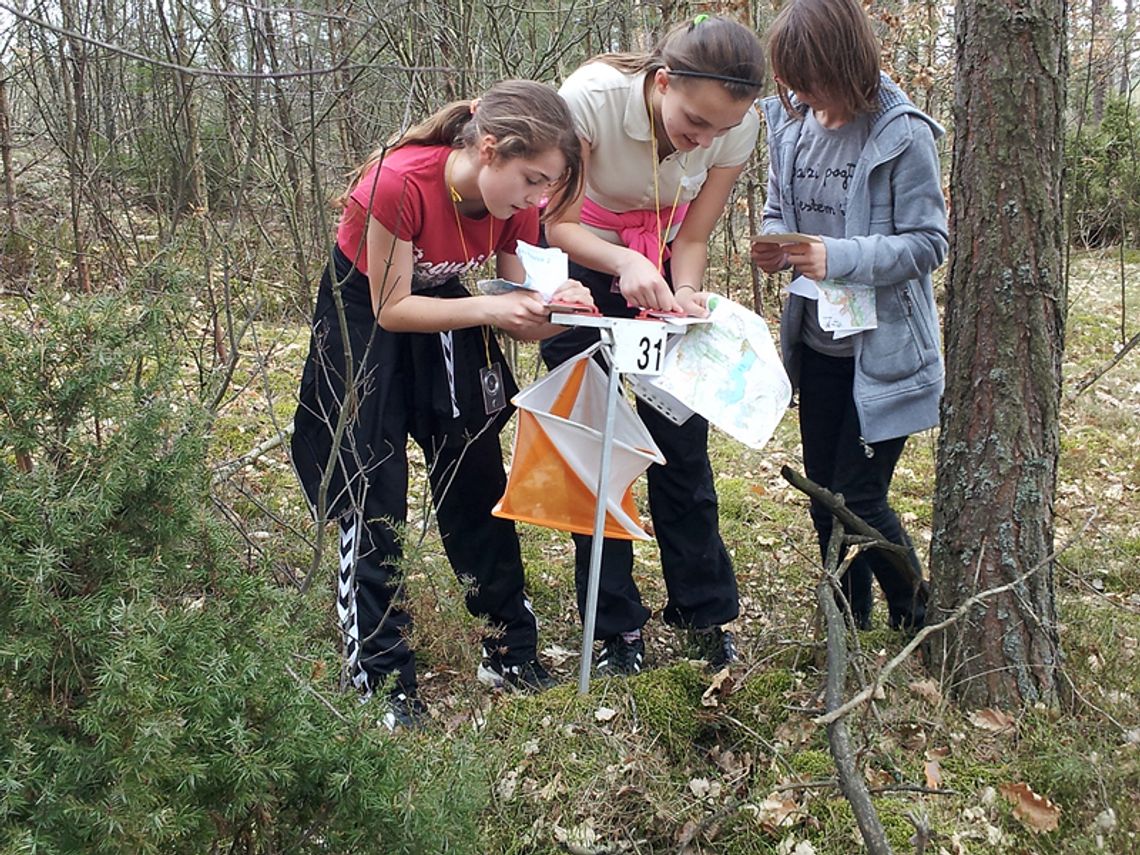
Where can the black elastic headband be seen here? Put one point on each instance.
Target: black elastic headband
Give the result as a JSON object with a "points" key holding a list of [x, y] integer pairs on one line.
{"points": [[724, 78]]}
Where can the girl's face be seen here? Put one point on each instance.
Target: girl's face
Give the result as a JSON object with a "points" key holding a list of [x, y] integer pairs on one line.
{"points": [[695, 112], [830, 111], [510, 185]]}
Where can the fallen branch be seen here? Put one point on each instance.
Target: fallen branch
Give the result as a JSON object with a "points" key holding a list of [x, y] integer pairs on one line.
{"points": [[306, 686], [833, 784], [871, 690], [224, 470], [838, 739], [894, 553], [1105, 368]]}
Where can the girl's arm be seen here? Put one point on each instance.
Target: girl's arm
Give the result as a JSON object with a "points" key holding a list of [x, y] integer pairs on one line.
{"points": [[397, 309], [917, 240], [771, 257], [691, 246], [508, 266], [638, 278]]}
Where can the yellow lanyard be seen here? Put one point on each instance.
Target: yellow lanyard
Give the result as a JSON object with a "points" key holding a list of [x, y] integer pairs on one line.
{"points": [[661, 235], [455, 200]]}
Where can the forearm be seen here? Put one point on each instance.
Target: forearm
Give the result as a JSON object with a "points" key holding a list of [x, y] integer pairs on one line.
{"points": [[885, 259], [416, 313], [687, 263], [772, 221]]}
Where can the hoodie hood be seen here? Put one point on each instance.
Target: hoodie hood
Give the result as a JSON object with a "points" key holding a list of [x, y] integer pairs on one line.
{"points": [[892, 103]]}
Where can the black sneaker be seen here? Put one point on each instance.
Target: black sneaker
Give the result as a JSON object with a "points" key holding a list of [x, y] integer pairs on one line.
{"points": [[525, 677], [716, 646], [404, 713], [621, 658]]}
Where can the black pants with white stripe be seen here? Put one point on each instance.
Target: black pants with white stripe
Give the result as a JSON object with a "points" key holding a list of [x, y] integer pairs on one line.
{"points": [[425, 386]]}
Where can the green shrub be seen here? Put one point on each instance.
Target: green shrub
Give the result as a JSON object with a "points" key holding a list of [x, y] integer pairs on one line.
{"points": [[1104, 179], [155, 699]]}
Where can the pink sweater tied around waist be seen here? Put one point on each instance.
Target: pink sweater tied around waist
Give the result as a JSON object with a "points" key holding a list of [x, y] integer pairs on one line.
{"points": [[641, 230]]}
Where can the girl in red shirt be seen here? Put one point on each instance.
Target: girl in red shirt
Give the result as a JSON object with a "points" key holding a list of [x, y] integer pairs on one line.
{"points": [[417, 356]]}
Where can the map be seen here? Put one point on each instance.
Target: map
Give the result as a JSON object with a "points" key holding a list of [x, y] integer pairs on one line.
{"points": [[728, 370], [846, 309]]}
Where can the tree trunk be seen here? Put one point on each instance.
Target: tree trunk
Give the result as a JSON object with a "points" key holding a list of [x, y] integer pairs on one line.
{"points": [[1126, 60], [998, 449], [73, 66], [6, 156], [1101, 36]]}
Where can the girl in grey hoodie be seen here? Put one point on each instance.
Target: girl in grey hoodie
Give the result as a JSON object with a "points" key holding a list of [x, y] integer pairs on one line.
{"points": [[853, 164]]}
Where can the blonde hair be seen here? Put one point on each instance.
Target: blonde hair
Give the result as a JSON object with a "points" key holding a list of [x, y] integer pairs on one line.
{"points": [[826, 47], [526, 119]]}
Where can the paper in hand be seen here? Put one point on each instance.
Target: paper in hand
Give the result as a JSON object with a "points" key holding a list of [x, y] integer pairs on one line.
{"points": [[547, 269], [786, 238], [804, 287], [846, 308], [494, 287]]}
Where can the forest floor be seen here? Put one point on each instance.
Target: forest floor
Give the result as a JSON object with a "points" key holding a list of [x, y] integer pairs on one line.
{"points": [[673, 761]]}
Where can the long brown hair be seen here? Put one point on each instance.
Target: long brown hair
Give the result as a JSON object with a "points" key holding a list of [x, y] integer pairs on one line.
{"points": [[826, 47], [526, 119], [708, 47]]}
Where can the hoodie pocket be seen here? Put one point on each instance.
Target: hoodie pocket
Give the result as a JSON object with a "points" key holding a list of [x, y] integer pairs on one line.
{"points": [[922, 318], [891, 351]]}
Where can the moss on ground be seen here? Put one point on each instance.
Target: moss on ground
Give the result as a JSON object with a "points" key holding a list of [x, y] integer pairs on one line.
{"points": [[668, 703], [759, 705]]}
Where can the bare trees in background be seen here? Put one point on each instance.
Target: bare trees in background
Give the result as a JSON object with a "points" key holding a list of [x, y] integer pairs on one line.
{"points": [[210, 135], [240, 120]]}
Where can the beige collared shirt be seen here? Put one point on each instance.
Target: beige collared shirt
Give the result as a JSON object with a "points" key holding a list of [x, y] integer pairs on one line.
{"points": [[609, 110]]}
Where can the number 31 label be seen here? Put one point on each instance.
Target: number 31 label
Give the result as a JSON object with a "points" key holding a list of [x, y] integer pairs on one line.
{"points": [[639, 347]]}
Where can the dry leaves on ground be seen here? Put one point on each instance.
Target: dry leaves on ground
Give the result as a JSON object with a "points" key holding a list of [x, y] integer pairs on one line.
{"points": [[721, 685], [927, 690], [1035, 812], [993, 720]]}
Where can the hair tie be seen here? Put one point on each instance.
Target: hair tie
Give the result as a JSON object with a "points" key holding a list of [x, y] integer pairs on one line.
{"points": [[700, 19], [474, 105]]}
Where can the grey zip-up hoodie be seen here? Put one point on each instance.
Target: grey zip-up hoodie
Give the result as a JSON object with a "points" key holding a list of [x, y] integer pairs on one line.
{"points": [[895, 238]]}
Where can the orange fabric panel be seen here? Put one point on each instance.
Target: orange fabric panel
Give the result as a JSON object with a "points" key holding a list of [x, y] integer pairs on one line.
{"points": [[564, 403], [542, 489]]}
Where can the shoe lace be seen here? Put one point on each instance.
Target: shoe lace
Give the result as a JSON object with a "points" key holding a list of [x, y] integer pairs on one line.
{"points": [[620, 653]]}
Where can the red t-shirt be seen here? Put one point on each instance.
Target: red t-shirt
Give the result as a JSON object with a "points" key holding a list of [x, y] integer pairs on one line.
{"points": [[410, 199]]}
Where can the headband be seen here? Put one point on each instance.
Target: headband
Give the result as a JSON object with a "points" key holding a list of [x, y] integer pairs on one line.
{"points": [[724, 78], [707, 75]]}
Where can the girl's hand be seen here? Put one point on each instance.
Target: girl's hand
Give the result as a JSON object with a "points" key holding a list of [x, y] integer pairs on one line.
{"points": [[810, 259], [769, 257], [695, 304], [643, 286], [573, 291], [520, 314]]}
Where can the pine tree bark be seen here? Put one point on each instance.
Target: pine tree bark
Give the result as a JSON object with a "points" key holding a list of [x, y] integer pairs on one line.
{"points": [[1006, 300]]}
